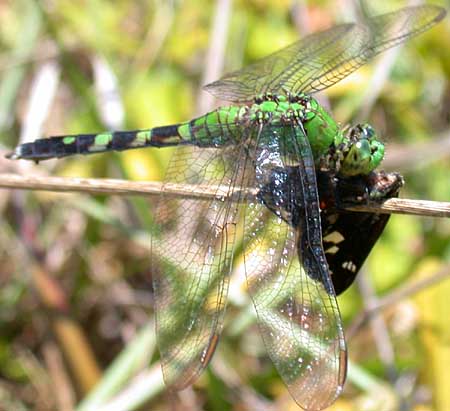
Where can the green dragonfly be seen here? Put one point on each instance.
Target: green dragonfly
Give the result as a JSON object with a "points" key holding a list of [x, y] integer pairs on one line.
{"points": [[273, 138]]}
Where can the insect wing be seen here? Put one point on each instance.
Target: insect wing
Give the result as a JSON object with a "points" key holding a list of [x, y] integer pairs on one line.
{"points": [[324, 58], [192, 251], [291, 289]]}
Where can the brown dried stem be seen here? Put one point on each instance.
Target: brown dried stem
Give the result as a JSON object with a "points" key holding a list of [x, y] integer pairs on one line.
{"points": [[125, 187]]}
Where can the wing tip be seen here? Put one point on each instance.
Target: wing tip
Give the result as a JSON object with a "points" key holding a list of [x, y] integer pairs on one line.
{"points": [[441, 13], [319, 402], [438, 13]]}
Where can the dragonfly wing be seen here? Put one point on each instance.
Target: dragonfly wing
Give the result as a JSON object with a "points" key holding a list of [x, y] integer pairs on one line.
{"points": [[192, 249], [287, 273], [322, 59]]}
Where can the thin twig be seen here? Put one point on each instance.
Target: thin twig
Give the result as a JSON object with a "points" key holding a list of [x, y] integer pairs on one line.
{"points": [[407, 157], [408, 206], [397, 295], [186, 191], [216, 52], [379, 327], [116, 187]]}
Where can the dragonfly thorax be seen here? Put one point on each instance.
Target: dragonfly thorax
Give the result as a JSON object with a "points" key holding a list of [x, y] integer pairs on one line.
{"points": [[280, 109], [289, 97], [297, 110]]}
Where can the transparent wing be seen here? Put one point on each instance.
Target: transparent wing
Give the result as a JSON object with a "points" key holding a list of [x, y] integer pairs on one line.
{"points": [[287, 273], [192, 250], [322, 59]]}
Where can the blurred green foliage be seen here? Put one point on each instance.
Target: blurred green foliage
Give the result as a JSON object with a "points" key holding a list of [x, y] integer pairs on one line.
{"points": [[86, 259]]}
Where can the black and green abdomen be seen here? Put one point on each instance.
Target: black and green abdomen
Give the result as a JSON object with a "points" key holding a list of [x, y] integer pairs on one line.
{"points": [[211, 130], [63, 146]]}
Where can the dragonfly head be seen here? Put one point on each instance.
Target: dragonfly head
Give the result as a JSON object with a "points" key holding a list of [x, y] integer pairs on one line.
{"points": [[363, 152]]}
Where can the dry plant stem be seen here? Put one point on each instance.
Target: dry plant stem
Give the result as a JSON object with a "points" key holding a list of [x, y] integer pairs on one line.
{"points": [[216, 52], [414, 156], [408, 206], [124, 187], [69, 334], [379, 327], [64, 395], [395, 296]]}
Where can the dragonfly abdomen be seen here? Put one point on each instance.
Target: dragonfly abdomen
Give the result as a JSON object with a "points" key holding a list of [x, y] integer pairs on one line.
{"points": [[214, 129], [217, 128], [63, 146]]}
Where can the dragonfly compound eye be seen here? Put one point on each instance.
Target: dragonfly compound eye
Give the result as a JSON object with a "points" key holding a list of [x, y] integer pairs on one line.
{"points": [[368, 131]]}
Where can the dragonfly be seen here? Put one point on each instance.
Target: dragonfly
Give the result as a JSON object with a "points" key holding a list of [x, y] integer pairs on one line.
{"points": [[276, 138]]}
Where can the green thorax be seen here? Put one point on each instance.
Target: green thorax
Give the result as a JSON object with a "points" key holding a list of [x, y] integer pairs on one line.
{"points": [[322, 131]]}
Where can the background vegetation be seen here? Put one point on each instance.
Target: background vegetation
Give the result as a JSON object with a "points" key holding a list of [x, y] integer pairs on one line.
{"points": [[76, 320]]}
